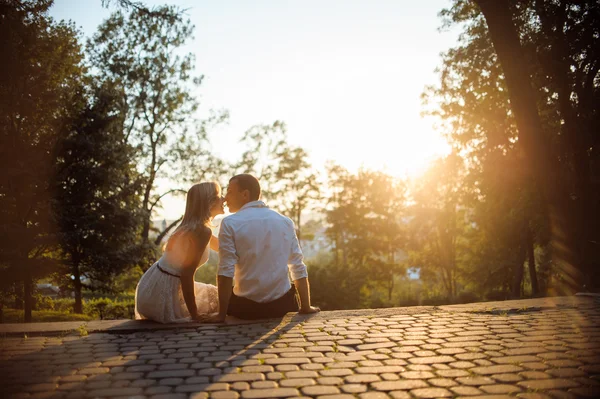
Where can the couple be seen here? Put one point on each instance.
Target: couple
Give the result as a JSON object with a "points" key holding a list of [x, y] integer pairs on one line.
{"points": [[257, 246]]}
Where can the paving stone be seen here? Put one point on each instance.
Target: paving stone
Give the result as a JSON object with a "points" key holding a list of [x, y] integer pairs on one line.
{"points": [[417, 374], [500, 389], [508, 377], [551, 352], [431, 359], [171, 374], [373, 395], [389, 376], [496, 369], [532, 395], [353, 388], [224, 395], [270, 393], [431, 393], [362, 378], [556, 383], [289, 360], [320, 390], [379, 369], [466, 390], [398, 385], [248, 377], [442, 382], [336, 372], [452, 373], [535, 375], [399, 395], [329, 381], [296, 382], [155, 390], [214, 387], [476, 381], [586, 392], [114, 392]]}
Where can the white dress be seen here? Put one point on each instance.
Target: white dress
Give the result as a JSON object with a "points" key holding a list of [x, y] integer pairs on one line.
{"points": [[158, 295]]}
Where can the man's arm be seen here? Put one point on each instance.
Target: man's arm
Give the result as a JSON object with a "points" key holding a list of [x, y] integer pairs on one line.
{"points": [[224, 285], [227, 261], [299, 274], [303, 289]]}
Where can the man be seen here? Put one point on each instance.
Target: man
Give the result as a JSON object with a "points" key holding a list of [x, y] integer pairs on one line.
{"points": [[257, 248]]}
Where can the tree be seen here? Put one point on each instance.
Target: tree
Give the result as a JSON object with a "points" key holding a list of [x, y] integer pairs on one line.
{"points": [[263, 144], [96, 201], [364, 216], [288, 181], [536, 145], [298, 188], [473, 103], [438, 222], [40, 75], [139, 54]]}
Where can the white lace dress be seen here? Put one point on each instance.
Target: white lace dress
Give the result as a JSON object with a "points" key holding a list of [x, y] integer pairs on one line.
{"points": [[158, 295]]}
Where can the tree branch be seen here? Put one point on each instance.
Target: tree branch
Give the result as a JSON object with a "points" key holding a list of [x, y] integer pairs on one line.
{"points": [[166, 231], [157, 200]]}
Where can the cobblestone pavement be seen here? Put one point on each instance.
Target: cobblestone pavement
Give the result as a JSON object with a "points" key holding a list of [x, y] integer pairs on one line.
{"points": [[527, 353]]}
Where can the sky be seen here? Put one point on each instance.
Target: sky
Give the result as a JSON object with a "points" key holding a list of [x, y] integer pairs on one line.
{"points": [[344, 75]]}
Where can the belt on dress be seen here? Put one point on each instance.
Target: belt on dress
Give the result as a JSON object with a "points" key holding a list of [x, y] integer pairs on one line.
{"points": [[166, 272]]}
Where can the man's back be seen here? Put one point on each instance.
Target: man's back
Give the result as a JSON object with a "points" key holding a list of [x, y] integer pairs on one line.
{"points": [[257, 245]]}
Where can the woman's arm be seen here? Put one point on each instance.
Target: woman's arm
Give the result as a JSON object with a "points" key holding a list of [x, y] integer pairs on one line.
{"points": [[214, 243], [187, 275]]}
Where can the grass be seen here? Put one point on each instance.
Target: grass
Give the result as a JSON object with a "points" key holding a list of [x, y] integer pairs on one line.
{"points": [[82, 330], [16, 316]]}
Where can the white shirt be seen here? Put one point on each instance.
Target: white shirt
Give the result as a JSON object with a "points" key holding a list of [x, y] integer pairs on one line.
{"points": [[257, 247]]}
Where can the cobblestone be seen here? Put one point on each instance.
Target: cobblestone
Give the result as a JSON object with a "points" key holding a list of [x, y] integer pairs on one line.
{"points": [[454, 351]]}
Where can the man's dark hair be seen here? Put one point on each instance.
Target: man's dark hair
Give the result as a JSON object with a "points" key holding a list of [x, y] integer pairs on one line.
{"points": [[248, 182]]}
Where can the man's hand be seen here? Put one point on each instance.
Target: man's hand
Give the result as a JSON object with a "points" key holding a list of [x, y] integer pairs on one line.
{"points": [[211, 318], [309, 310]]}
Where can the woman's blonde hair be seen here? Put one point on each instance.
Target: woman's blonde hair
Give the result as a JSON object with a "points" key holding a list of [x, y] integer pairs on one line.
{"points": [[200, 198]]}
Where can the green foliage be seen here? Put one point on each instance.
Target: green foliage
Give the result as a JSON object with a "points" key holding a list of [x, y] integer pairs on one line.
{"points": [[43, 316], [365, 224], [126, 282], [96, 194], [438, 223], [107, 309], [139, 54], [41, 76]]}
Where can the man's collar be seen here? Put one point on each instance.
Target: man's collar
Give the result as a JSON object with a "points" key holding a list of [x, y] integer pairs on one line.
{"points": [[254, 204]]}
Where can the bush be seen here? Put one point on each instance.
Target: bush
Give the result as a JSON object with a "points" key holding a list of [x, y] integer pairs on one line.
{"points": [[107, 309], [435, 301], [64, 305], [16, 316], [497, 296], [467, 297]]}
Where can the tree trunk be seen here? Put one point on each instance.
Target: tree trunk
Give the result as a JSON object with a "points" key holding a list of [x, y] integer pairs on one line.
{"points": [[163, 233], [298, 224], [520, 264], [573, 132], [78, 307], [149, 186], [531, 262], [27, 297], [543, 164], [18, 299]]}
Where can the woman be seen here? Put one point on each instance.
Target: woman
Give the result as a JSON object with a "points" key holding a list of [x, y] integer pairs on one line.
{"points": [[167, 292]]}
